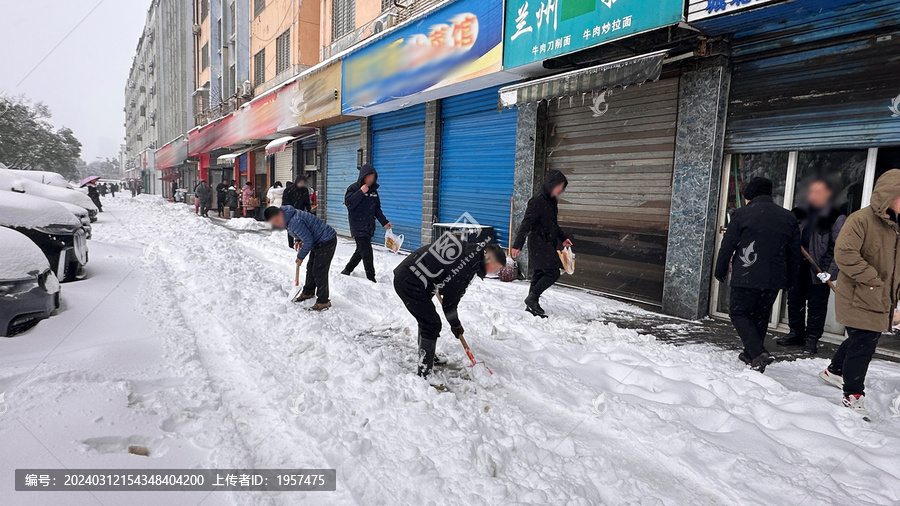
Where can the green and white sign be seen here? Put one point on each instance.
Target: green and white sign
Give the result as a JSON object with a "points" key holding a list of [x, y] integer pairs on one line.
{"points": [[537, 30]]}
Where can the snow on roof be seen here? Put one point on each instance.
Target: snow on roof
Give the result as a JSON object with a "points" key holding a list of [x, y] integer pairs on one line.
{"points": [[23, 210], [9, 180], [21, 257], [43, 177]]}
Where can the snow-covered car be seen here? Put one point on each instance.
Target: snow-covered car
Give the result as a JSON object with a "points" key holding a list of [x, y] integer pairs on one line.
{"points": [[43, 177], [52, 227], [29, 291], [82, 214], [11, 181]]}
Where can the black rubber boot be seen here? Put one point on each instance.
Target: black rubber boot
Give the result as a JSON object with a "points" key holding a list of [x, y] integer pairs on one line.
{"points": [[533, 307], [761, 362], [792, 339], [811, 346], [426, 356]]}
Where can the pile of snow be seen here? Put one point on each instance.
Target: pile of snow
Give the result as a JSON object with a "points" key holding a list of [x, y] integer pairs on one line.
{"points": [[43, 177], [9, 180], [246, 224], [29, 211], [21, 257]]}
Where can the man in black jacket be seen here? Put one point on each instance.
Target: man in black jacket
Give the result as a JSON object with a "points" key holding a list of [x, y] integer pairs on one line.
{"points": [[221, 194], [364, 207], [808, 298], [297, 196], [446, 266], [762, 245], [541, 228]]}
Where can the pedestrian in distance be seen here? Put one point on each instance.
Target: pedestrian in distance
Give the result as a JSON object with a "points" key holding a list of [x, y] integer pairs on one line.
{"points": [[275, 194], [868, 254], [133, 187], [221, 195], [95, 196], [247, 200], [446, 267], [113, 189], [231, 201], [364, 207], [102, 188], [204, 196], [540, 226], [820, 224], [762, 246], [297, 196], [313, 238]]}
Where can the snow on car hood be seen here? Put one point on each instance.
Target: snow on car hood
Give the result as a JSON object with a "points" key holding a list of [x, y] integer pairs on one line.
{"points": [[21, 257], [29, 211], [10, 180], [43, 177]]}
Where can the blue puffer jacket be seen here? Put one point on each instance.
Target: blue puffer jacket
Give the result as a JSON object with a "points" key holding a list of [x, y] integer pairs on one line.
{"points": [[364, 207], [307, 228]]}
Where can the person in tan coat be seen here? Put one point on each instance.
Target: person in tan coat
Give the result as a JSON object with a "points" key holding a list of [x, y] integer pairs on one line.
{"points": [[867, 252]]}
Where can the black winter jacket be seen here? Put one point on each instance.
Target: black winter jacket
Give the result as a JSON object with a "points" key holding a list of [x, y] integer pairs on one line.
{"points": [[364, 208], [541, 227], [221, 191], [446, 267], [826, 227], [762, 244], [297, 198]]}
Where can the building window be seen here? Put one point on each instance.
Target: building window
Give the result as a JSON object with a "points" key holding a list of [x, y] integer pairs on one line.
{"points": [[283, 52], [204, 9], [258, 7], [386, 5], [232, 18], [259, 67], [343, 18], [230, 85], [204, 57]]}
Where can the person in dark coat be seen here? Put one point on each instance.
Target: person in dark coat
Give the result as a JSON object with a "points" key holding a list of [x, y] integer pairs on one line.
{"points": [[95, 196], [364, 207], [221, 194], [297, 196], [231, 199], [820, 224], [762, 246], [541, 228], [113, 189], [204, 195], [314, 238], [446, 266], [103, 189]]}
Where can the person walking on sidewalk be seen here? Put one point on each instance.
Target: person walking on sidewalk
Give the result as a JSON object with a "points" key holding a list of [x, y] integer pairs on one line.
{"points": [[364, 207], [248, 200], [312, 237], [297, 196], [231, 201], [221, 195], [95, 196], [204, 196], [541, 228], [427, 271], [867, 253], [275, 194], [820, 225], [762, 246]]}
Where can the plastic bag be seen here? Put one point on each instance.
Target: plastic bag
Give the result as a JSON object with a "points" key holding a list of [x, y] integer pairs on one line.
{"points": [[393, 241], [568, 260]]}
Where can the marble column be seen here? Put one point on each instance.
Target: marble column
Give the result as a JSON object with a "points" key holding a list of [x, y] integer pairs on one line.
{"points": [[702, 106], [431, 173], [529, 171]]}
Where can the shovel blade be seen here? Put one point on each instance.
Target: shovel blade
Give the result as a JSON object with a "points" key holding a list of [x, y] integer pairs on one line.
{"points": [[296, 295]]}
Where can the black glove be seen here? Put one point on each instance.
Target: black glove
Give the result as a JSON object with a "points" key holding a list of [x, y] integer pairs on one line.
{"points": [[457, 330]]}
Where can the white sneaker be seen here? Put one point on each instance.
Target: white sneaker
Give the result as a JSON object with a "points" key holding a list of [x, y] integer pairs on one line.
{"points": [[832, 379], [855, 402]]}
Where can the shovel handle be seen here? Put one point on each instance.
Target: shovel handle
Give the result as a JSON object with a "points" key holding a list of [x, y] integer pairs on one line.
{"points": [[297, 275], [818, 270]]}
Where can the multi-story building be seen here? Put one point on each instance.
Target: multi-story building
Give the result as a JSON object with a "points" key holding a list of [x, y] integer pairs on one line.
{"points": [[221, 35], [158, 94], [284, 40]]}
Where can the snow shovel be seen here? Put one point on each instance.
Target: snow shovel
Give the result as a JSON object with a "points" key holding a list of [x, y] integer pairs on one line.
{"points": [[818, 270], [466, 345], [298, 290], [508, 271]]}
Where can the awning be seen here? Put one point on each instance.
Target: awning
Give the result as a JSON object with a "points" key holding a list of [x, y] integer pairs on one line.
{"points": [[635, 70], [172, 154], [278, 145], [231, 157]]}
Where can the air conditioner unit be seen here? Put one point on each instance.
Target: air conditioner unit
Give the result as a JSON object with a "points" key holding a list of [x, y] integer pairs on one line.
{"points": [[247, 89], [384, 22], [197, 29]]}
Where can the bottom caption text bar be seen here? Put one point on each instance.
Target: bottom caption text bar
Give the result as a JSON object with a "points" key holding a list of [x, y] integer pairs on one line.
{"points": [[158, 480]]}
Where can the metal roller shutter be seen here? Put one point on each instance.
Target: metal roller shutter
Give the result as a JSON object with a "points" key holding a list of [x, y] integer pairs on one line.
{"points": [[341, 148], [284, 165], [398, 154], [838, 97], [618, 154], [478, 159]]}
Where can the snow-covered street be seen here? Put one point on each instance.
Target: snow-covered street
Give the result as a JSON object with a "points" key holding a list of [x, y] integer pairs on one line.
{"points": [[183, 340]]}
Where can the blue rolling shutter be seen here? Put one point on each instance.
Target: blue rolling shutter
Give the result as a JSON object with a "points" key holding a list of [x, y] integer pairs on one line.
{"points": [[342, 146], [478, 158], [398, 154]]}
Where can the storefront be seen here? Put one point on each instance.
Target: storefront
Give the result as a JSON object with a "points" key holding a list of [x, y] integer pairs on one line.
{"points": [[342, 150], [478, 159], [398, 154]]}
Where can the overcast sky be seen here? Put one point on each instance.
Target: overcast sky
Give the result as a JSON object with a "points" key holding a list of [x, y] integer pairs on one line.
{"points": [[83, 80]]}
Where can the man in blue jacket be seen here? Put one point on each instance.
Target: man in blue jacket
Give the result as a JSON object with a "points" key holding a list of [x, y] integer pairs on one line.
{"points": [[364, 207], [314, 238]]}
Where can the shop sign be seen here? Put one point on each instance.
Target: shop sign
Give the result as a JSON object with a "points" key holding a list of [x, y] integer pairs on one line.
{"points": [[702, 9], [540, 29]]}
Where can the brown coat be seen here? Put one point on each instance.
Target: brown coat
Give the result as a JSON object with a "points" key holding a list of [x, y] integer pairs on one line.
{"points": [[868, 254]]}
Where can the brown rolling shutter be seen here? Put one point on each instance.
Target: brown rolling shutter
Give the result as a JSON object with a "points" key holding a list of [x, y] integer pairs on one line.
{"points": [[617, 151]]}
